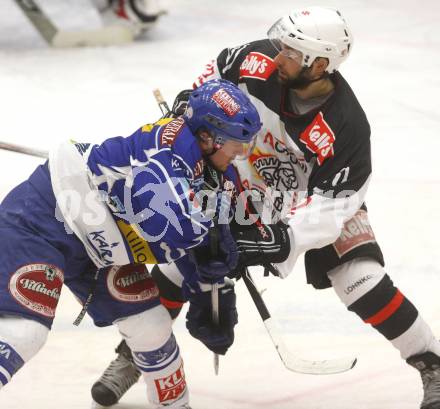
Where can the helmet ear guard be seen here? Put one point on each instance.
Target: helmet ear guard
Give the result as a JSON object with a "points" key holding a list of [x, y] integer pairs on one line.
{"points": [[314, 32]]}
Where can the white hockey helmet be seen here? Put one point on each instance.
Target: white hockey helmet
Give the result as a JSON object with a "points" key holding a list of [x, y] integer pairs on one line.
{"points": [[315, 32]]}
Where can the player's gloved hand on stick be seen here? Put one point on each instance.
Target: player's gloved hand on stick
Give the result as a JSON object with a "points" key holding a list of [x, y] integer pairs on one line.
{"points": [[180, 103], [260, 245], [199, 319], [212, 268]]}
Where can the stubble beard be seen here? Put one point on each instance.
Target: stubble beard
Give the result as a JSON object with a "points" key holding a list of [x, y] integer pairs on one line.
{"points": [[299, 82]]}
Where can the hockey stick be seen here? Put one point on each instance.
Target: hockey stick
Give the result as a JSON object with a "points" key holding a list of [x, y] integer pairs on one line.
{"points": [[24, 149], [109, 35], [213, 241], [290, 361], [165, 109], [45, 154]]}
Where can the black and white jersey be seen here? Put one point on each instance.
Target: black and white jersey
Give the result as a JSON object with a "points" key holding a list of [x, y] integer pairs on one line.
{"points": [[313, 167]]}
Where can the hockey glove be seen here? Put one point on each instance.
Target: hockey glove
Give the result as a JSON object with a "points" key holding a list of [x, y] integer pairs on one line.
{"points": [[180, 103], [260, 244], [217, 338], [214, 267]]}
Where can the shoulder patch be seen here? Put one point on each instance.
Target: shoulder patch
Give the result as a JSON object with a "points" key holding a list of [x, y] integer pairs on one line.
{"points": [[257, 65], [171, 131], [319, 138]]}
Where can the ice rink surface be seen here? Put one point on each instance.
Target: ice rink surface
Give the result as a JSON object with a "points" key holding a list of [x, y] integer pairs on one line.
{"points": [[49, 95]]}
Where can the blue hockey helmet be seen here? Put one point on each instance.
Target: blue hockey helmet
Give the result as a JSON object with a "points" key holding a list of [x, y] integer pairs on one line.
{"points": [[221, 108]]}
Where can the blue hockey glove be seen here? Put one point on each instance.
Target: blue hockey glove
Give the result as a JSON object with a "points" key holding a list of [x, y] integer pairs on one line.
{"points": [[214, 264], [199, 320]]}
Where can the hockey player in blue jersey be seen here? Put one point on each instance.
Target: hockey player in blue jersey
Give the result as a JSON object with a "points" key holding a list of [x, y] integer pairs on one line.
{"points": [[93, 208]]}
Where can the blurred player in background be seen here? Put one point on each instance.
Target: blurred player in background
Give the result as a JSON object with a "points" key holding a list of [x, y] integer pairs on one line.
{"points": [[139, 15]]}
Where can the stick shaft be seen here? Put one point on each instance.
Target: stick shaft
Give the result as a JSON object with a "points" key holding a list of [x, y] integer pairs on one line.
{"points": [[24, 149], [161, 102]]}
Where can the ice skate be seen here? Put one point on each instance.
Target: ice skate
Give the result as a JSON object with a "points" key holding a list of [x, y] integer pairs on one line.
{"points": [[428, 364], [117, 379]]}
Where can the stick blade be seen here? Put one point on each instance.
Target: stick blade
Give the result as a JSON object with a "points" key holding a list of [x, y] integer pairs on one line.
{"points": [[296, 364], [105, 36]]}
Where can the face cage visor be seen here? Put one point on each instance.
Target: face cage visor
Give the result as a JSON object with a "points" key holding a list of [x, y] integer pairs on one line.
{"points": [[241, 150], [231, 145], [276, 34]]}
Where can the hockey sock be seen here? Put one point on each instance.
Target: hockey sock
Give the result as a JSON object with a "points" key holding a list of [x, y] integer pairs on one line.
{"points": [[368, 291], [162, 370], [20, 340], [10, 362], [156, 353]]}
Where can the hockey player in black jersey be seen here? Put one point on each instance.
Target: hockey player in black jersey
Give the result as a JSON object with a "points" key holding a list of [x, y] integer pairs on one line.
{"points": [[313, 158]]}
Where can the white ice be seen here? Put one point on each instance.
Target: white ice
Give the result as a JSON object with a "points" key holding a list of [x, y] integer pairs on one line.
{"points": [[48, 95]]}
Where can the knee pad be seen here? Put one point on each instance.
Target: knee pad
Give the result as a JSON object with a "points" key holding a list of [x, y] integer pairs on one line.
{"points": [[148, 330], [20, 340], [354, 279]]}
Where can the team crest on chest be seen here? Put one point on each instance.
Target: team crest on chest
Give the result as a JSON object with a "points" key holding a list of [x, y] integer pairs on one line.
{"points": [[275, 173]]}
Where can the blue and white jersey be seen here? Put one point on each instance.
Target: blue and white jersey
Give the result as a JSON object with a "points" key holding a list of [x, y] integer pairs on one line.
{"points": [[137, 198]]}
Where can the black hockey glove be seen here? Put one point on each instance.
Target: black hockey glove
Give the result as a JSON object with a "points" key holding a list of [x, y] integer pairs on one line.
{"points": [[180, 103], [260, 245], [217, 338]]}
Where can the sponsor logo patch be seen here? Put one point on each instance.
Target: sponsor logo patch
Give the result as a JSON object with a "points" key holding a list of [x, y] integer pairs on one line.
{"points": [[226, 102], [171, 387], [37, 287], [171, 131], [99, 242], [257, 65], [319, 138], [356, 232], [357, 284], [140, 250], [131, 283]]}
